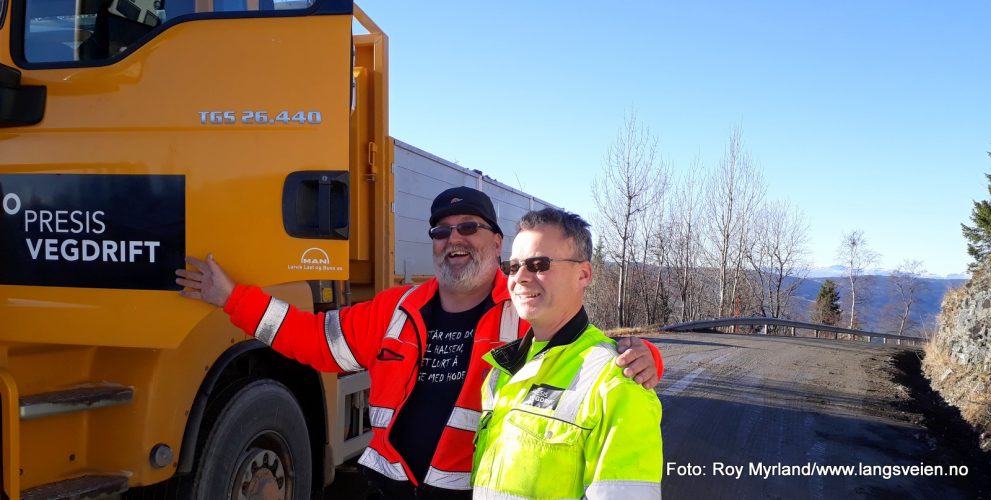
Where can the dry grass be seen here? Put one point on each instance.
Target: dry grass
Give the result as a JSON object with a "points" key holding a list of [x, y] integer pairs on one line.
{"points": [[647, 331], [966, 386]]}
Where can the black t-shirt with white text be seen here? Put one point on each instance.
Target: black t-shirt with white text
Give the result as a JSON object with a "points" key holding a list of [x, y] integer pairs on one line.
{"points": [[449, 340]]}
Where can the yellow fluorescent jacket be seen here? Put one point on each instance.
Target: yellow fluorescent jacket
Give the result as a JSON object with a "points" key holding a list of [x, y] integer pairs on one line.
{"points": [[566, 424]]}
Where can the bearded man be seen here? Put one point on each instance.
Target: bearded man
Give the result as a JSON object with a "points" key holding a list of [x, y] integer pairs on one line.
{"points": [[422, 346]]}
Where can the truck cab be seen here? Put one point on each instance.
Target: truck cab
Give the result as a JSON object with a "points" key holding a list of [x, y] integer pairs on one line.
{"points": [[134, 133]]}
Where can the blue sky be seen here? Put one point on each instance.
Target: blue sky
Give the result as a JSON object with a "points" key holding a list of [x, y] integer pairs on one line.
{"points": [[867, 115]]}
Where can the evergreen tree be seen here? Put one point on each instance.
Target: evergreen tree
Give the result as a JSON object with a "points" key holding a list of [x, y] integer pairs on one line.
{"points": [[979, 235], [826, 309], [596, 293], [598, 254]]}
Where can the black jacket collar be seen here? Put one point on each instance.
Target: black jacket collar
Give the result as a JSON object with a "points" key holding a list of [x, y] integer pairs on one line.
{"points": [[512, 356]]}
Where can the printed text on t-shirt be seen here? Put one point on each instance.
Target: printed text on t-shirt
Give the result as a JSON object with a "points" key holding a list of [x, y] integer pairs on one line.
{"points": [[446, 356]]}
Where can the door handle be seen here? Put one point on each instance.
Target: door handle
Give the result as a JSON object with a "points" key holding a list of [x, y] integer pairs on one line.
{"points": [[316, 204]]}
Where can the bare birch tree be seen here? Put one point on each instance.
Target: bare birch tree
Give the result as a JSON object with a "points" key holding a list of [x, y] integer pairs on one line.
{"points": [[638, 271], [686, 243], [856, 257], [748, 212], [733, 192], [623, 193], [908, 284], [652, 225], [660, 308], [778, 257]]}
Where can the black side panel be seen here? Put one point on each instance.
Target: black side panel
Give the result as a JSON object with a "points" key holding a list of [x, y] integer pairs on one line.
{"points": [[92, 231]]}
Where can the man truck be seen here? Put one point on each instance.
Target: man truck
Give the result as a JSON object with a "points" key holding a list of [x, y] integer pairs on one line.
{"points": [[136, 132]]}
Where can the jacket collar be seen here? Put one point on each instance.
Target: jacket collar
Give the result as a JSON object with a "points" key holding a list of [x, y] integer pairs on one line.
{"points": [[500, 288], [428, 289], [512, 356]]}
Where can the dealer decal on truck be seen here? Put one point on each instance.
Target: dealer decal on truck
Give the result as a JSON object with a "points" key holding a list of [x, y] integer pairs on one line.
{"points": [[93, 231]]}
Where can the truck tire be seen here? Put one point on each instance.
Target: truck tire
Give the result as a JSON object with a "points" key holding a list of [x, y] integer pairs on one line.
{"points": [[257, 447]]}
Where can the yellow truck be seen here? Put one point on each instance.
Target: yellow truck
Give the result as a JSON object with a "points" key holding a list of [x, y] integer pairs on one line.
{"points": [[136, 132]]}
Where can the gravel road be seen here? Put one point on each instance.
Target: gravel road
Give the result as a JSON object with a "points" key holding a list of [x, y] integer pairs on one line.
{"points": [[741, 412]]}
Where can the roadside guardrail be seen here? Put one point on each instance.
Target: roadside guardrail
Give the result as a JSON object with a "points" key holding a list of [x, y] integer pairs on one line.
{"points": [[791, 326]]}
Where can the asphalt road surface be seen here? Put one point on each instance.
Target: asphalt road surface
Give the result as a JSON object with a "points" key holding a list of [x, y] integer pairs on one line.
{"points": [[736, 406]]}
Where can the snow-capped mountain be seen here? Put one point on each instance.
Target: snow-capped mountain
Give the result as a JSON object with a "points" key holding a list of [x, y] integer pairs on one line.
{"points": [[838, 271]]}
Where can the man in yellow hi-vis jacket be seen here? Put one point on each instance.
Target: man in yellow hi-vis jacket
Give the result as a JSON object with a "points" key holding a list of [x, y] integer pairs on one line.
{"points": [[559, 418]]}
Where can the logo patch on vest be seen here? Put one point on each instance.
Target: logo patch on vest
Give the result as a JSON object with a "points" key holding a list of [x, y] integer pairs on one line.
{"points": [[387, 354], [543, 396]]}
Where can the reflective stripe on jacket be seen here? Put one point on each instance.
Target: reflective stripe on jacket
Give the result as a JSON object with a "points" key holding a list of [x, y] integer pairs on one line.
{"points": [[386, 336], [566, 424]]}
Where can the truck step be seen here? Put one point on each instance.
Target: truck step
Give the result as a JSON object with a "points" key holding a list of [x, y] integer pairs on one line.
{"points": [[81, 398], [78, 487]]}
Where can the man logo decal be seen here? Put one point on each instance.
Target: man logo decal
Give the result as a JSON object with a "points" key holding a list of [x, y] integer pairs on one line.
{"points": [[315, 256], [314, 259]]}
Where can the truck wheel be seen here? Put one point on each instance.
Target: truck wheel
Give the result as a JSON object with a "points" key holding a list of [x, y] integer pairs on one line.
{"points": [[257, 448]]}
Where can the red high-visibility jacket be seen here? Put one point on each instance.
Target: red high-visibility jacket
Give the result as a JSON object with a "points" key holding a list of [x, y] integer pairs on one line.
{"points": [[387, 337]]}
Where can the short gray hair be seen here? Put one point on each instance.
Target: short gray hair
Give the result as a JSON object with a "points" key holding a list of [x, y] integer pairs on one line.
{"points": [[571, 224]]}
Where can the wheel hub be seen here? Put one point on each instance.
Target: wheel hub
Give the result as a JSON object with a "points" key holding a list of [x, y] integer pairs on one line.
{"points": [[260, 476]]}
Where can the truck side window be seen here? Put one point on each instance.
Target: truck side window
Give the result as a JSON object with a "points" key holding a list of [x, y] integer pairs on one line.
{"points": [[57, 31]]}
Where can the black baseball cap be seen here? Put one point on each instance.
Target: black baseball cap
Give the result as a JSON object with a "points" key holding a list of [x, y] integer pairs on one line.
{"points": [[464, 201]]}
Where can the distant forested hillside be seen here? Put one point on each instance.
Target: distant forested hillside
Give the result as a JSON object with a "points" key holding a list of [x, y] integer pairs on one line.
{"points": [[878, 305]]}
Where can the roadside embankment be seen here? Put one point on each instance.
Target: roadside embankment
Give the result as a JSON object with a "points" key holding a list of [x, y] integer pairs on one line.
{"points": [[958, 357]]}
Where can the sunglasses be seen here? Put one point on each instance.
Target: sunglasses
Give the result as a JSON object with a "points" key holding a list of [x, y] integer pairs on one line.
{"points": [[533, 264], [464, 229]]}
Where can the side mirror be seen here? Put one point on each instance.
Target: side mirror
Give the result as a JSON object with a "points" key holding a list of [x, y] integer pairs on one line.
{"points": [[19, 105]]}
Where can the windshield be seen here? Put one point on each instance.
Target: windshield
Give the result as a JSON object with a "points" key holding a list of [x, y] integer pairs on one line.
{"points": [[93, 30]]}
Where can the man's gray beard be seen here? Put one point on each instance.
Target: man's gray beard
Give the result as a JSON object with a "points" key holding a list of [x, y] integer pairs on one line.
{"points": [[476, 274]]}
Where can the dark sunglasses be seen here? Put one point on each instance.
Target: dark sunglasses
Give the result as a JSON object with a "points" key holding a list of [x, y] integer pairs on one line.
{"points": [[464, 229], [533, 264]]}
